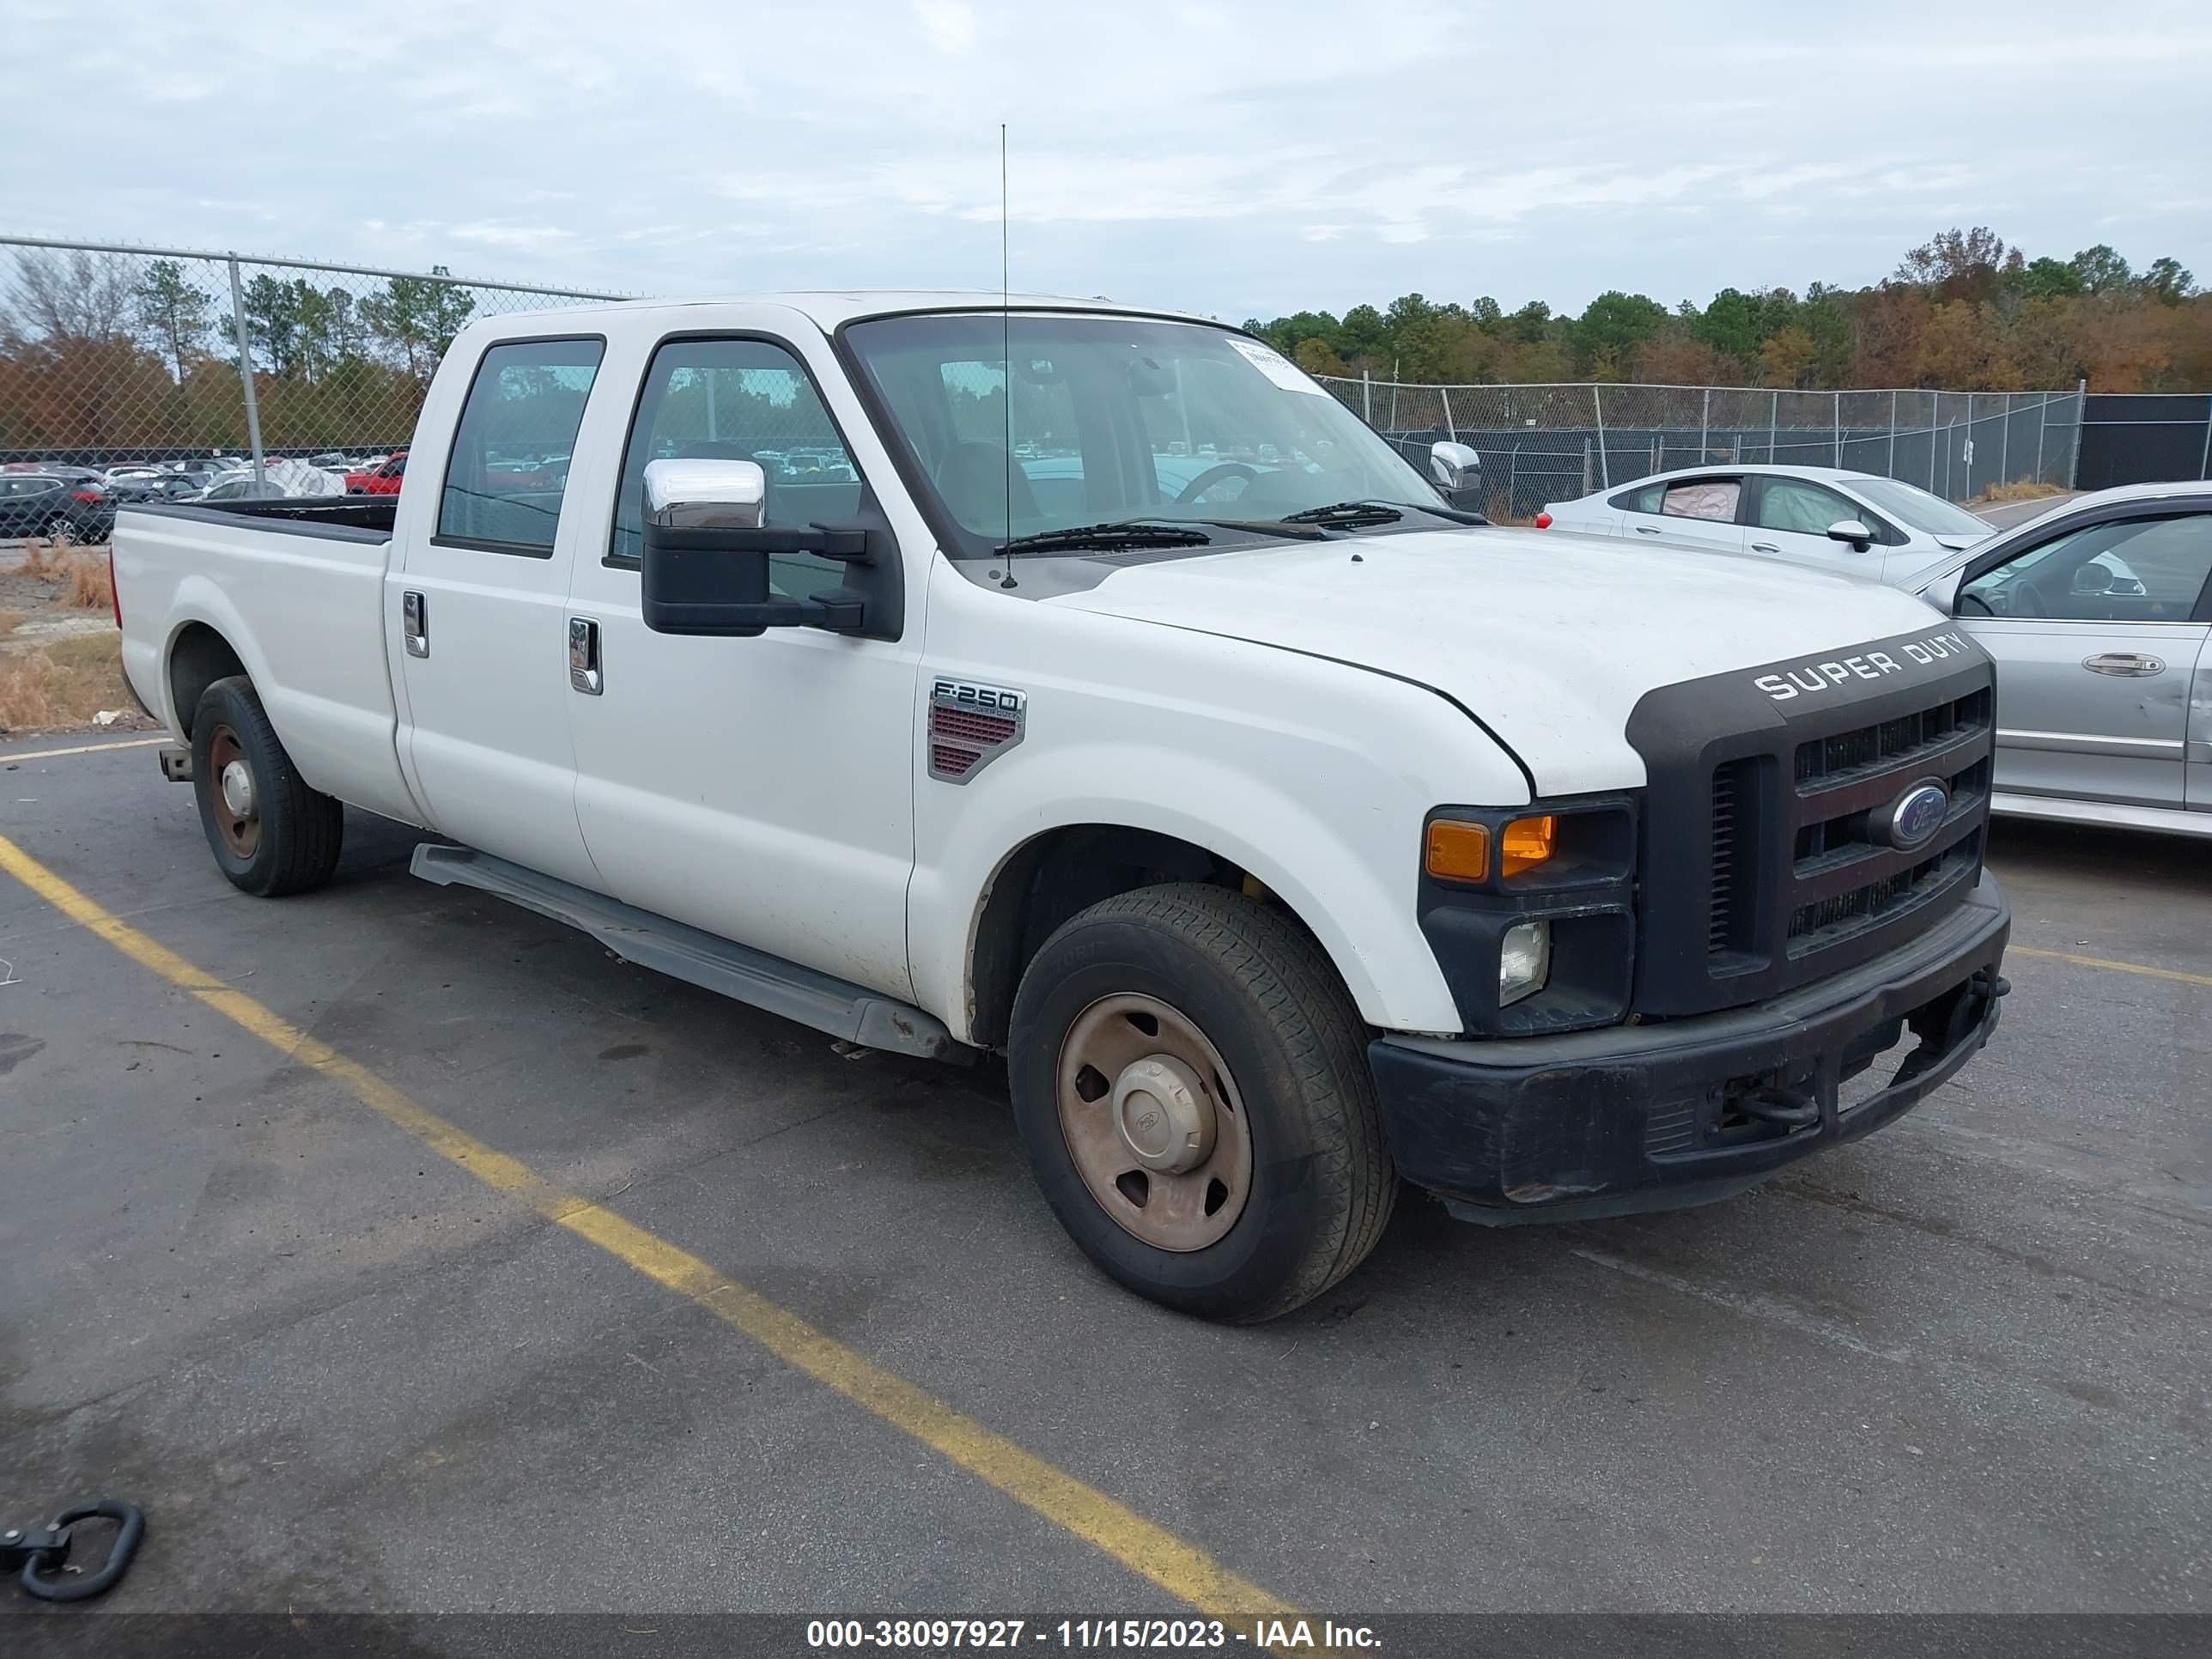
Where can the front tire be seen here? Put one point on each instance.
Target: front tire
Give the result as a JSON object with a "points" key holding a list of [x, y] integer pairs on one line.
{"points": [[270, 832], [1190, 1081]]}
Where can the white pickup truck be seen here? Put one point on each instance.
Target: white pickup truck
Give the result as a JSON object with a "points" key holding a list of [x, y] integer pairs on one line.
{"points": [[1086, 684]]}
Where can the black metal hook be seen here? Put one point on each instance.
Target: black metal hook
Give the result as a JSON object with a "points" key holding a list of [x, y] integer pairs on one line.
{"points": [[37, 1547]]}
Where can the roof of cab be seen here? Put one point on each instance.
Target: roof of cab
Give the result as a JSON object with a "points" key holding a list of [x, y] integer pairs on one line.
{"points": [[831, 308]]}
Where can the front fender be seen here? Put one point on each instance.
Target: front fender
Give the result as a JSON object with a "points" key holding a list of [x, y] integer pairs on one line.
{"points": [[1315, 777]]}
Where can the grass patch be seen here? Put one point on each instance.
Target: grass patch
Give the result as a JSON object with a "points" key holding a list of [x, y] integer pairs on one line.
{"points": [[90, 586], [2026, 490], [64, 684]]}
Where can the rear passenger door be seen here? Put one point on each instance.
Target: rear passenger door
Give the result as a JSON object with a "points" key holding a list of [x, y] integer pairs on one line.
{"points": [[1790, 519], [484, 653], [1700, 511]]}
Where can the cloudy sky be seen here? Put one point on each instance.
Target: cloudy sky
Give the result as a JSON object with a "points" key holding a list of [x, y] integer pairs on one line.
{"points": [[1229, 158]]}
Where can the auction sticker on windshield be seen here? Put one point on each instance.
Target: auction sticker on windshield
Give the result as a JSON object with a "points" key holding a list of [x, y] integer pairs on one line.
{"points": [[1276, 367]]}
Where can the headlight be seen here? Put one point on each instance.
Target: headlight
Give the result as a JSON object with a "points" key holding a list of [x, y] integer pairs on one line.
{"points": [[1524, 960]]}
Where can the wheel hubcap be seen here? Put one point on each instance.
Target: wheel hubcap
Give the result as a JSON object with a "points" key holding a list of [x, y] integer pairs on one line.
{"points": [[231, 794], [1154, 1123], [237, 789], [1163, 1114]]}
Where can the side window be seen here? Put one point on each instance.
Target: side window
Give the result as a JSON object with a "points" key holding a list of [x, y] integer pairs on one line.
{"points": [[526, 403], [1702, 498], [742, 400], [2133, 570], [1805, 510], [1644, 500]]}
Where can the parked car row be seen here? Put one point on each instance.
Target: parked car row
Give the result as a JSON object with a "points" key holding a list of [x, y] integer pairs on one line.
{"points": [[61, 501]]}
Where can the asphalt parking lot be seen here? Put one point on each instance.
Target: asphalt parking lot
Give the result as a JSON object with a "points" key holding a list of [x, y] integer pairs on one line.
{"points": [[1961, 1366]]}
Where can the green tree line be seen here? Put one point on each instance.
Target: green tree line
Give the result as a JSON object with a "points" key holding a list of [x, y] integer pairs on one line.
{"points": [[102, 351], [1962, 312]]}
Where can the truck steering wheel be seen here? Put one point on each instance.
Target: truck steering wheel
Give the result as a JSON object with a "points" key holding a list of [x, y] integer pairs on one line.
{"points": [[1212, 475]]}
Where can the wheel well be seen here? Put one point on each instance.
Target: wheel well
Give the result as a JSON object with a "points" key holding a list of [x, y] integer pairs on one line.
{"points": [[200, 658], [1059, 873]]}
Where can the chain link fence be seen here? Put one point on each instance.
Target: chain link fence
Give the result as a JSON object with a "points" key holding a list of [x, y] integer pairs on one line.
{"points": [[112, 354], [1552, 443]]}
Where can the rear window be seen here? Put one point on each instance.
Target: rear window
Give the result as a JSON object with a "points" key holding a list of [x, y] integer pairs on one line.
{"points": [[508, 471], [1707, 498]]}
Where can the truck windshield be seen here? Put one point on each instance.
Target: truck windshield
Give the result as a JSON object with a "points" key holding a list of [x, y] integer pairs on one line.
{"points": [[1113, 419]]}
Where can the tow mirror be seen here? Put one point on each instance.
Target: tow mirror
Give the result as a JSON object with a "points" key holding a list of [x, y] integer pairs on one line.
{"points": [[707, 548], [1852, 530]]}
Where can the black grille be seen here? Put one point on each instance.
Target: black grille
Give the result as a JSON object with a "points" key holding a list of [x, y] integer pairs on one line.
{"points": [[1827, 842], [1825, 763], [1831, 920], [1728, 791], [1733, 908], [1766, 816]]}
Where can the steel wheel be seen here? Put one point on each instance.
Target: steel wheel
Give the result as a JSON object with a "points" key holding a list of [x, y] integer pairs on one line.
{"points": [[232, 792], [1154, 1123]]}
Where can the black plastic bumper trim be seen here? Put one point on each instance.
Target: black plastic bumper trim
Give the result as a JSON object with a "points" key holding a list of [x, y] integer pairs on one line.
{"points": [[1567, 1127]]}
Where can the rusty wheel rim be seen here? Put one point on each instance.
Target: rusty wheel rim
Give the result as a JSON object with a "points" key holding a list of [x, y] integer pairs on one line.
{"points": [[1154, 1123], [231, 794]]}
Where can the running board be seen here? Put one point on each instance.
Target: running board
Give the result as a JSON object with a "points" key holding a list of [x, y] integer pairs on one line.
{"points": [[850, 1011]]}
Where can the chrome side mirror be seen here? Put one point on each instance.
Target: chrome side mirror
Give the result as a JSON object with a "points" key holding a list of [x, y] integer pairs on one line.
{"points": [[1852, 530], [1454, 466], [705, 495]]}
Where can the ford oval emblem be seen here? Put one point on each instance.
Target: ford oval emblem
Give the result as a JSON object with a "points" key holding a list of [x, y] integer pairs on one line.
{"points": [[1918, 814]]}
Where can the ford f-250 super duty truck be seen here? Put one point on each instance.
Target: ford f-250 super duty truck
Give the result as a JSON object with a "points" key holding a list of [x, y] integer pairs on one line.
{"points": [[1086, 684]]}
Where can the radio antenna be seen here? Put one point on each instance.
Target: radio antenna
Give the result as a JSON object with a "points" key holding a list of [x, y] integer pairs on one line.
{"points": [[1006, 330]]}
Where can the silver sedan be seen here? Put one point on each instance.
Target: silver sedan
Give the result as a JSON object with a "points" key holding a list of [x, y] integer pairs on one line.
{"points": [[2098, 613]]}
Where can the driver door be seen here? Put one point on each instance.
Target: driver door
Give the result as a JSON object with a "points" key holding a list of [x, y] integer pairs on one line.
{"points": [[2096, 632]]}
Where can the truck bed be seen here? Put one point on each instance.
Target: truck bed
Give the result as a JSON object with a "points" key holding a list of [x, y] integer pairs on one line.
{"points": [[295, 588]]}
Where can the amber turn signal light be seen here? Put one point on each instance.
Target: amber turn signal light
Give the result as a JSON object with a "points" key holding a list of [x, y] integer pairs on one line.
{"points": [[1526, 843], [1458, 852]]}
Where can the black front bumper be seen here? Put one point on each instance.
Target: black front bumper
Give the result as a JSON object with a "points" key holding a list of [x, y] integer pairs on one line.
{"points": [[1684, 1111]]}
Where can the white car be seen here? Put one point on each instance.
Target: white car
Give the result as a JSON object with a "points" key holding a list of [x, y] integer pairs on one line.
{"points": [[1854, 522]]}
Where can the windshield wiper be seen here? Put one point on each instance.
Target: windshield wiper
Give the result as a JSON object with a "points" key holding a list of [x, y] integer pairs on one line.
{"points": [[1353, 514], [1155, 532], [1124, 533]]}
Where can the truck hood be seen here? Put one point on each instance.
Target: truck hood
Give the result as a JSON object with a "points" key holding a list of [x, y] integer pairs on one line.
{"points": [[1548, 638]]}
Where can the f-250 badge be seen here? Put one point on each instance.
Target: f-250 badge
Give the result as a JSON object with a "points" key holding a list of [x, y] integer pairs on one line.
{"points": [[970, 725]]}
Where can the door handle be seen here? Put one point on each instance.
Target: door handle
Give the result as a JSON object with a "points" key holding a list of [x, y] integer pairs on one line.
{"points": [[2130, 663], [584, 657], [1649, 530], [414, 622], [1765, 547]]}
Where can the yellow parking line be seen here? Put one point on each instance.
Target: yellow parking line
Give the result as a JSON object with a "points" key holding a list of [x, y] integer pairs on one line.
{"points": [[2116, 966], [82, 749], [1143, 1546]]}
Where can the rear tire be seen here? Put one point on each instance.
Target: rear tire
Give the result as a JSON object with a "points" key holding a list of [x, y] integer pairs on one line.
{"points": [[1220, 1016], [270, 832]]}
